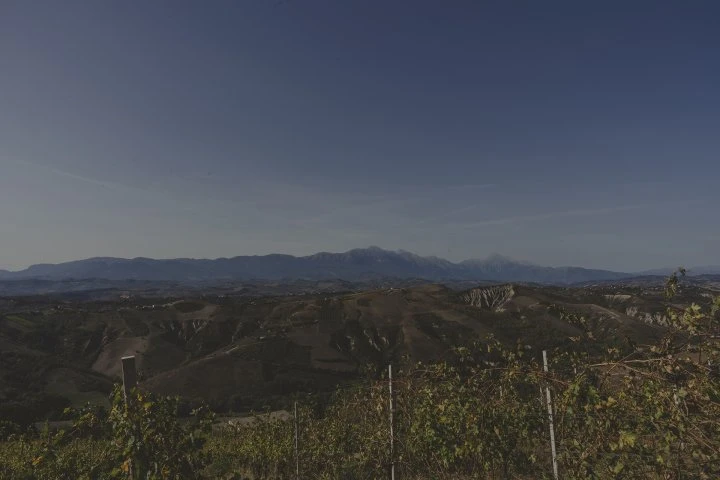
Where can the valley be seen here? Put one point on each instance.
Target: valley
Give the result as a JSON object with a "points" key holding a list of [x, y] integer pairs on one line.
{"points": [[256, 347]]}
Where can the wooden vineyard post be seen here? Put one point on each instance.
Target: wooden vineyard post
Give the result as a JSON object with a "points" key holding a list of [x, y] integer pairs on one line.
{"points": [[550, 418], [129, 376]]}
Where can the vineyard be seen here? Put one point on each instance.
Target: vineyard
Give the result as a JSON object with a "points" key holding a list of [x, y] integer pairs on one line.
{"points": [[617, 411]]}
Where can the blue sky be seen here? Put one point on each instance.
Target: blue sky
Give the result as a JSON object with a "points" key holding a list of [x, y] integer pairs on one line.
{"points": [[564, 133]]}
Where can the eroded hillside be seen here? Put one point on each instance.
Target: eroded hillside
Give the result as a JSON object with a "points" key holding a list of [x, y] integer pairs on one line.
{"points": [[241, 353]]}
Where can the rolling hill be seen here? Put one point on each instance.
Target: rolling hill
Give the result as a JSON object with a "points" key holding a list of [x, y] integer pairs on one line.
{"points": [[243, 352]]}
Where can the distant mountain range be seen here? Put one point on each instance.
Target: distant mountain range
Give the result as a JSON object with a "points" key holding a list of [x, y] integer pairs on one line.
{"points": [[354, 265]]}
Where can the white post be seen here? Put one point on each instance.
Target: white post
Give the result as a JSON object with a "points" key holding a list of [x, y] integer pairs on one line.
{"points": [[550, 417], [297, 449], [392, 421]]}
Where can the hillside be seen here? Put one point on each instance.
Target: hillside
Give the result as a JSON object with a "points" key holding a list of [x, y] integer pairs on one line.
{"points": [[243, 352]]}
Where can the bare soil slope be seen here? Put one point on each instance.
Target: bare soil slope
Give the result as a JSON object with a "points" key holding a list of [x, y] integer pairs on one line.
{"points": [[241, 353]]}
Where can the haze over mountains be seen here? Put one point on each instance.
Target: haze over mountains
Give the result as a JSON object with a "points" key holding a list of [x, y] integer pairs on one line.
{"points": [[354, 265]]}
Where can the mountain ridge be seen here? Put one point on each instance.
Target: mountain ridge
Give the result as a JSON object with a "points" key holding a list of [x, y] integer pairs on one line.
{"points": [[354, 264]]}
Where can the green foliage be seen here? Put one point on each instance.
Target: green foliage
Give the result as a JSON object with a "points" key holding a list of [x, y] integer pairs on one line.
{"points": [[143, 440], [52, 456], [8, 430], [481, 419], [150, 443], [652, 414]]}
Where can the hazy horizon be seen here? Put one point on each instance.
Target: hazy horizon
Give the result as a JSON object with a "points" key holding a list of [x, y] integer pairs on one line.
{"points": [[393, 250], [563, 134]]}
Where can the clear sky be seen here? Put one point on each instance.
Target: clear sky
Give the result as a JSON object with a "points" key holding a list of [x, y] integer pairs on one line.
{"points": [[564, 133]]}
